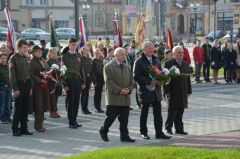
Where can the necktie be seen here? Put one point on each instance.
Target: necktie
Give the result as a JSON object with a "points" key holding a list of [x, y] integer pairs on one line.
{"points": [[150, 60], [179, 62], [121, 65]]}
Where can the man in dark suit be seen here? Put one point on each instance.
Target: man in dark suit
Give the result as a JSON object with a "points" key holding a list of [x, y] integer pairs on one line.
{"points": [[177, 91], [149, 92]]}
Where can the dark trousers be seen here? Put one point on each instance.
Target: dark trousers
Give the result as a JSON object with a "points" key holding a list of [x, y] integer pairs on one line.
{"points": [[225, 74], [85, 96], [175, 116], [5, 102], [198, 67], [21, 107], [231, 74], [98, 93], [112, 112], [157, 114], [206, 71], [73, 97]]}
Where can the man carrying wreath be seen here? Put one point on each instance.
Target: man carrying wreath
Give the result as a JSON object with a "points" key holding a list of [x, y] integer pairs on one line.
{"points": [[177, 91], [149, 91]]}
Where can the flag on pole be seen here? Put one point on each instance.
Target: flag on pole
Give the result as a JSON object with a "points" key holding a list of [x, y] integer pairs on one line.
{"points": [[169, 40], [140, 31], [117, 35], [82, 31], [11, 36], [54, 39]]}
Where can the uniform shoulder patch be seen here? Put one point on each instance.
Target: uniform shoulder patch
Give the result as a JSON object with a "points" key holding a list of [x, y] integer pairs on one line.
{"points": [[10, 65]]}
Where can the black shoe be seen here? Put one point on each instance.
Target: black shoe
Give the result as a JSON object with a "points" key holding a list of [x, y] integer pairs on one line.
{"points": [[99, 111], [26, 132], [103, 136], [146, 137], [181, 133], [128, 139], [73, 126], [162, 136], [130, 108], [86, 112], [9, 120], [5, 121], [78, 125], [17, 133], [169, 132]]}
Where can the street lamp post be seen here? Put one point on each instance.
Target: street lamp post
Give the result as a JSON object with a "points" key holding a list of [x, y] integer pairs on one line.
{"points": [[86, 7], [215, 12], [195, 6]]}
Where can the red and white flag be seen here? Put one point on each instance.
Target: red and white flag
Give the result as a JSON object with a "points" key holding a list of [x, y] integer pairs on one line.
{"points": [[11, 36], [82, 30], [117, 35], [140, 31]]}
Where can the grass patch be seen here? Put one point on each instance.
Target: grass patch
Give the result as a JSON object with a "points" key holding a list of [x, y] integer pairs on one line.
{"points": [[146, 152]]}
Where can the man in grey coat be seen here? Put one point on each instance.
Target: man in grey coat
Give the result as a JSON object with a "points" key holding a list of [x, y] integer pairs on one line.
{"points": [[119, 84]]}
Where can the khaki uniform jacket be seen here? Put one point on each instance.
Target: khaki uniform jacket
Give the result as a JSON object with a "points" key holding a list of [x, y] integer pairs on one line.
{"points": [[19, 70], [74, 64], [117, 78]]}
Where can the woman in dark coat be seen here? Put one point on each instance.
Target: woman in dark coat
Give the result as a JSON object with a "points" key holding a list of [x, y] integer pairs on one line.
{"points": [[55, 88], [40, 90], [98, 81], [230, 61], [216, 60]]}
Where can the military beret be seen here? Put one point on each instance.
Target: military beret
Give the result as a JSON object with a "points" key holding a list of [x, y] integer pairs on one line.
{"points": [[126, 45], [35, 48], [166, 51]]}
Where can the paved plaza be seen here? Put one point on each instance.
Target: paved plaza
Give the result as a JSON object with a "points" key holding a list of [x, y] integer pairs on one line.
{"points": [[212, 109]]}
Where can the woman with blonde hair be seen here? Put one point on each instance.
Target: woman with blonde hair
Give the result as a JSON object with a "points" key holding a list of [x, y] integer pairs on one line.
{"points": [[55, 88], [98, 81]]}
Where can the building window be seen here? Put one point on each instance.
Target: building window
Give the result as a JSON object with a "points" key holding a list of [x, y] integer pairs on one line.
{"points": [[140, 2], [61, 24], [4, 24], [29, 2], [43, 2], [116, 1], [99, 19], [225, 21], [2, 4], [199, 22], [129, 2]]}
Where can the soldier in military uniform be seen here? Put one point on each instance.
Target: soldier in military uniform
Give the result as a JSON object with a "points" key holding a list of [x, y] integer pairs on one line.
{"points": [[21, 82], [167, 56], [44, 49], [87, 67], [75, 79]]}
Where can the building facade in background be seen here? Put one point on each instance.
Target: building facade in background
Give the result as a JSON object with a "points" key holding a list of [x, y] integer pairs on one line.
{"points": [[178, 15]]}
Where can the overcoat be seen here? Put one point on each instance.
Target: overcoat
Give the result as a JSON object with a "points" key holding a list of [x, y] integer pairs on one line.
{"points": [[117, 78], [178, 87]]}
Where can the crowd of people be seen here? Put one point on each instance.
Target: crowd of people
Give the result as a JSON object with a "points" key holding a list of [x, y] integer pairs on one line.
{"points": [[215, 57], [28, 78]]}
